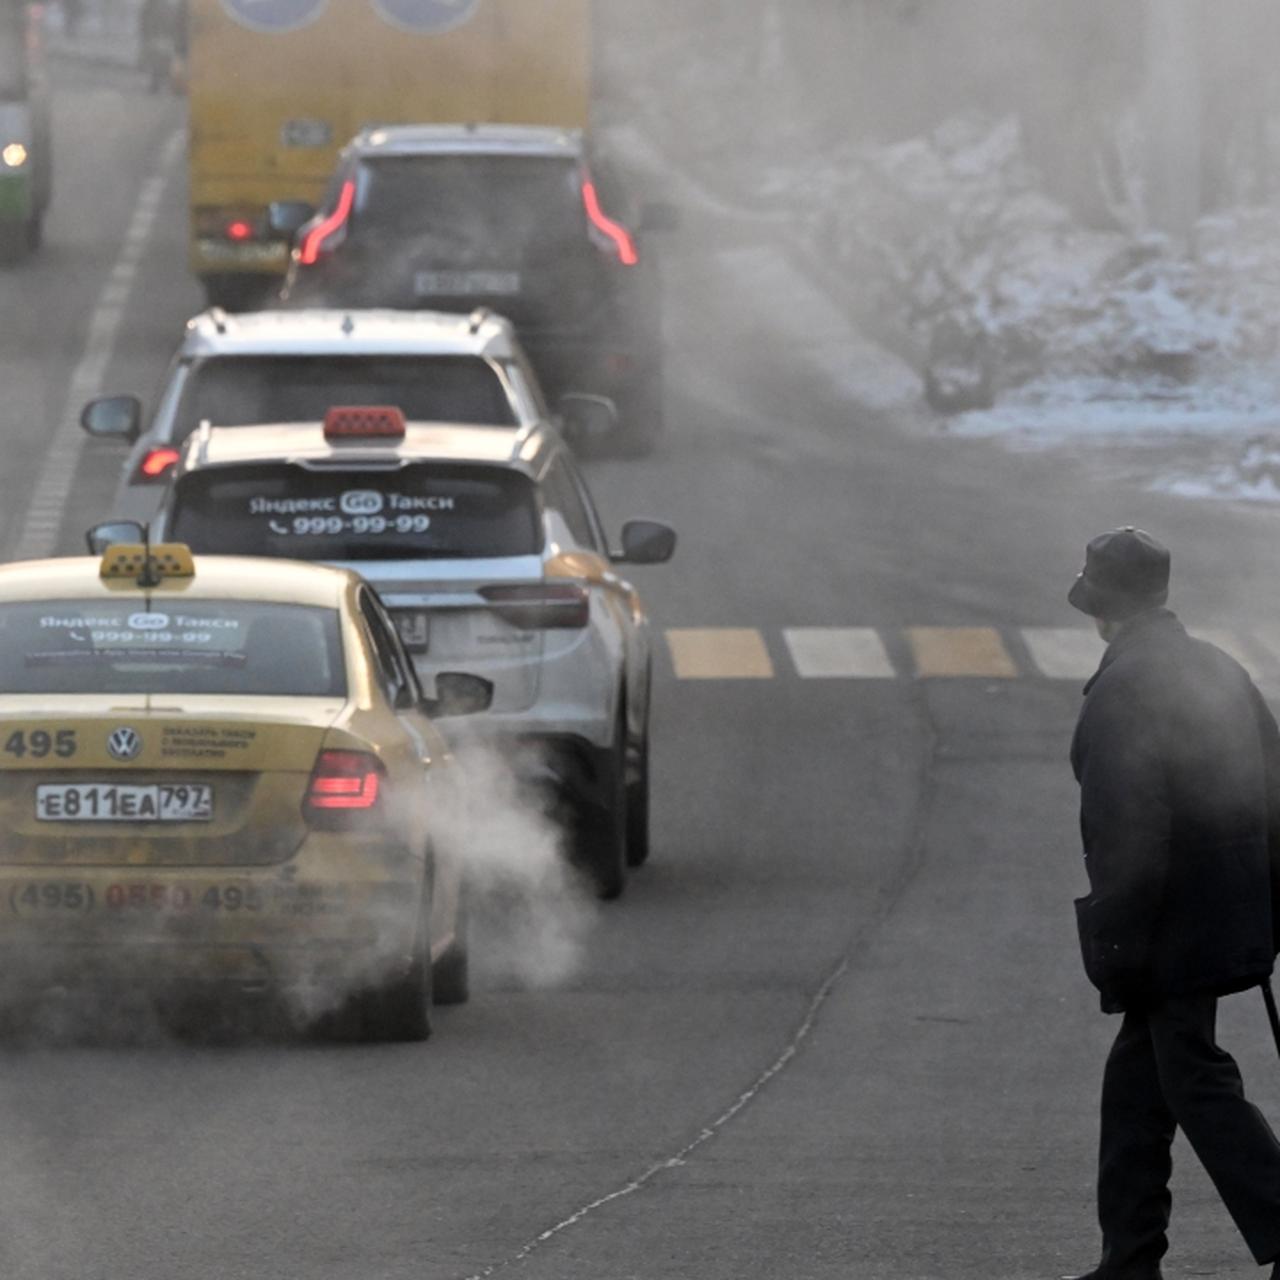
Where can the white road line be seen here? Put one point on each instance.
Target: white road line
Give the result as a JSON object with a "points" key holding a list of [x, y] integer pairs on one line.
{"points": [[1064, 653], [40, 522], [833, 652]]}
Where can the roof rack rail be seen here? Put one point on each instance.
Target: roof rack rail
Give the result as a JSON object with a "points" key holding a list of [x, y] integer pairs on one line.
{"points": [[522, 438]]}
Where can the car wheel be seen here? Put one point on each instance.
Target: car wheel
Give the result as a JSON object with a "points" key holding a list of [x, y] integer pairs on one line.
{"points": [[400, 1009], [638, 808], [450, 975], [602, 829]]}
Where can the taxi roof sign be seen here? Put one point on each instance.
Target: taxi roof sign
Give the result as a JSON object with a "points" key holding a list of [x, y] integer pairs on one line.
{"points": [[147, 564], [364, 422]]}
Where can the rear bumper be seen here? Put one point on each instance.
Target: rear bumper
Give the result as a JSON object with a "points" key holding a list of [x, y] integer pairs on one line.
{"points": [[240, 928], [610, 361]]}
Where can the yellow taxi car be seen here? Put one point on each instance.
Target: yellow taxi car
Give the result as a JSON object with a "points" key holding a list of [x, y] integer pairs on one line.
{"points": [[222, 771]]}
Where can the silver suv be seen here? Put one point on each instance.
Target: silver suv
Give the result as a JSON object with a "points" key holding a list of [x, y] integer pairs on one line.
{"points": [[291, 366], [487, 550]]}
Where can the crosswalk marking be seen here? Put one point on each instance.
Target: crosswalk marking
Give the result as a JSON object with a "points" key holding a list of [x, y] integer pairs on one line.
{"points": [[1268, 636], [719, 653], [1064, 653], [827, 652], [862, 653], [960, 651]]}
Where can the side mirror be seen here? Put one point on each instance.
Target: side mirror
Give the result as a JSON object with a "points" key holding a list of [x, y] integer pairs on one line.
{"points": [[459, 694], [657, 215], [113, 418], [286, 217], [646, 542], [587, 417], [102, 536]]}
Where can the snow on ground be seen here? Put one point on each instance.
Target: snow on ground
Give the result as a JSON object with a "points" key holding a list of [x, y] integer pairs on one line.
{"points": [[1091, 333], [1094, 335]]}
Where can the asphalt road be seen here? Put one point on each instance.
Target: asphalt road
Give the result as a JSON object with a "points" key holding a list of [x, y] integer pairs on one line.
{"points": [[837, 1028]]}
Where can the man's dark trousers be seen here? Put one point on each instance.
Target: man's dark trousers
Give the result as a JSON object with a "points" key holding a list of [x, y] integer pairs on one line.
{"points": [[1165, 1071]]}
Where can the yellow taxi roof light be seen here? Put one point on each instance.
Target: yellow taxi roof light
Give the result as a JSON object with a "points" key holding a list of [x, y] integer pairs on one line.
{"points": [[136, 561]]}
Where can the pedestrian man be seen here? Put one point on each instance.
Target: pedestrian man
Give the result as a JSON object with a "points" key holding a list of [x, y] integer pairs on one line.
{"points": [[1178, 760]]}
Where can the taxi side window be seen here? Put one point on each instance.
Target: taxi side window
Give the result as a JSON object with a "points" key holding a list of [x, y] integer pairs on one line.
{"points": [[396, 675], [563, 492]]}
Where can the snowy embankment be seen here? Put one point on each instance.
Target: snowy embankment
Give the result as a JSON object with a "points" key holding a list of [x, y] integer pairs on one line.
{"points": [[1088, 332]]}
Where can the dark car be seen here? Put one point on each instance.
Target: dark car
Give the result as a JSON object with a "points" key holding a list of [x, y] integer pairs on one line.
{"points": [[515, 218]]}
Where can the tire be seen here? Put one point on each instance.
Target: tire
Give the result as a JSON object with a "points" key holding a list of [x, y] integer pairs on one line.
{"points": [[638, 808], [642, 418], [400, 1010], [602, 830], [450, 975]]}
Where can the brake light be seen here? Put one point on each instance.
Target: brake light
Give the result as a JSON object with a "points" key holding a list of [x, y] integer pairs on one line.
{"points": [[364, 422], [156, 464], [542, 606], [344, 782], [238, 229], [622, 240], [314, 240]]}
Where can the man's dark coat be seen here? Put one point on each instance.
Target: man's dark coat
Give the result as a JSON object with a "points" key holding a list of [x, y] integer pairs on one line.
{"points": [[1178, 760]]}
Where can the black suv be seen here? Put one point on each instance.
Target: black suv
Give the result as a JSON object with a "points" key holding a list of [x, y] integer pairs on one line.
{"points": [[510, 217]]}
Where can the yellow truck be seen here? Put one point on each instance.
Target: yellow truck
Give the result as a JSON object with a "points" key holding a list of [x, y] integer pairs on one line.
{"points": [[278, 86]]}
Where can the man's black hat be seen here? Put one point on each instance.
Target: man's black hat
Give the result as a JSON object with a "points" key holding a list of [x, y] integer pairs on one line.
{"points": [[1125, 572]]}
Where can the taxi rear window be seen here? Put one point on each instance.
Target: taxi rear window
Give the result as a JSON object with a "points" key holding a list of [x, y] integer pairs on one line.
{"points": [[419, 511], [188, 646], [243, 390]]}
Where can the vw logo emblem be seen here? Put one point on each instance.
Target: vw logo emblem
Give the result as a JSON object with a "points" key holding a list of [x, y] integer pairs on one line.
{"points": [[124, 743]]}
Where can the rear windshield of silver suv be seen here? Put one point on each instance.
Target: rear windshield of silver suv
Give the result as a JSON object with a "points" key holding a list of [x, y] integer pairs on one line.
{"points": [[419, 511], [238, 390]]}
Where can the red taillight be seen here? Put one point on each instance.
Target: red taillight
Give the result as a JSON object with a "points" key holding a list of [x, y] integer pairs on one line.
{"points": [[314, 240], [364, 422], [156, 464], [344, 781], [614, 231], [542, 606], [239, 229]]}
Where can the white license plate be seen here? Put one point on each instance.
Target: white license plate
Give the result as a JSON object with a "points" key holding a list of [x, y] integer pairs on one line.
{"points": [[414, 626], [124, 802], [465, 283]]}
